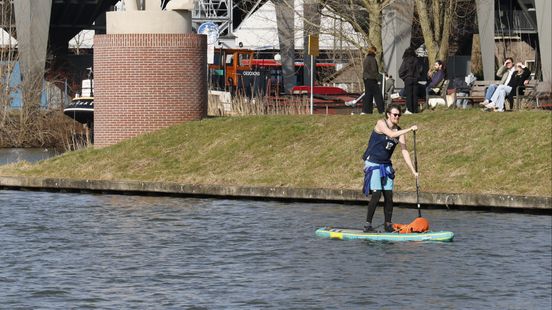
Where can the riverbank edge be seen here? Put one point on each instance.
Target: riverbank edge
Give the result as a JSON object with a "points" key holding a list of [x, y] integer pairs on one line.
{"points": [[444, 200]]}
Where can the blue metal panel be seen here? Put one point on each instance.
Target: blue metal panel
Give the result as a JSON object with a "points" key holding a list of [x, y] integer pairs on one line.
{"points": [[15, 81], [16, 97]]}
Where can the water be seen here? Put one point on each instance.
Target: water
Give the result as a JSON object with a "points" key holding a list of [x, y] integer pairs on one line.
{"points": [[11, 155], [75, 251]]}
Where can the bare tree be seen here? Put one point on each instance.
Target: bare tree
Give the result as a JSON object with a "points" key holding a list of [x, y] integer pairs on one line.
{"points": [[436, 17], [82, 40], [365, 16]]}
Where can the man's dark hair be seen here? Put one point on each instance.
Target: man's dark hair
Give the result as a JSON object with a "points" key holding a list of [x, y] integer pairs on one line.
{"points": [[391, 107]]}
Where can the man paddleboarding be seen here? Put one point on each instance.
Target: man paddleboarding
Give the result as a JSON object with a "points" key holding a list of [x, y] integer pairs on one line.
{"points": [[378, 169]]}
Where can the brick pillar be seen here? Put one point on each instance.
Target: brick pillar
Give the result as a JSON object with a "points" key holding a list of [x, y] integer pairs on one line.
{"points": [[145, 82]]}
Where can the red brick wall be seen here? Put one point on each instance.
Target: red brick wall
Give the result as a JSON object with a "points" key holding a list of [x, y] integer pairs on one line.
{"points": [[144, 82]]}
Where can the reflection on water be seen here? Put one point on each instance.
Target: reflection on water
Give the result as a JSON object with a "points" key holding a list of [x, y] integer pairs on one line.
{"points": [[73, 251], [11, 155]]}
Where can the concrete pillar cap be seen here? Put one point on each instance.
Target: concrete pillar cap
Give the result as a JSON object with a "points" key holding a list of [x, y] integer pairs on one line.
{"points": [[177, 5]]}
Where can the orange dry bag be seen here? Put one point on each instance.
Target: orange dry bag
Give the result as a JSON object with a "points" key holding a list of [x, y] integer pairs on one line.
{"points": [[419, 225]]}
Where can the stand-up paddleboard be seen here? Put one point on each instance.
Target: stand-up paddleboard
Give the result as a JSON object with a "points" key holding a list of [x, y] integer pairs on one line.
{"points": [[358, 234]]}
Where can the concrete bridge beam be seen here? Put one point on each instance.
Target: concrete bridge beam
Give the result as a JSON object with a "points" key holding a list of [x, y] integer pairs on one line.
{"points": [[285, 19], [32, 23], [396, 36], [544, 26], [485, 22]]}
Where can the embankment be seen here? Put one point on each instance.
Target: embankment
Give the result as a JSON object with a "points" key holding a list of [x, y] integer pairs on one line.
{"points": [[460, 154]]}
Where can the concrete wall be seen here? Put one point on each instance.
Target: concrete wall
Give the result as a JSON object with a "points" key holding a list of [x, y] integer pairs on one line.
{"points": [[485, 22], [396, 35], [155, 21], [443, 200], [32, 20], [544, 25]]}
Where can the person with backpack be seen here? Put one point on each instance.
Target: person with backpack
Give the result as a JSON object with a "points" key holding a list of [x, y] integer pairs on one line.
{"points": [[409, 72]]}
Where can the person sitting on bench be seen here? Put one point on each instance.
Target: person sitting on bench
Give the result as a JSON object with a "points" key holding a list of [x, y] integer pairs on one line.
{"points": [[520, 78], [436, 77], [505, 72]]}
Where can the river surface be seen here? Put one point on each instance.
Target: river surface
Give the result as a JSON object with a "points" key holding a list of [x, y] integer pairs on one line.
{"points": [[11, 155], [79, 251]]}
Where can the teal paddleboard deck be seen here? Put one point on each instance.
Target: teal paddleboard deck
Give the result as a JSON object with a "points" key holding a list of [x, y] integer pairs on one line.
{"points": [[358, 234]]}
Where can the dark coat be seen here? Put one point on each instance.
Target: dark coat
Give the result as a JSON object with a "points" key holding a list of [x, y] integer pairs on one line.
{"points": [[370, 68], [410, 68], [517, 80]]}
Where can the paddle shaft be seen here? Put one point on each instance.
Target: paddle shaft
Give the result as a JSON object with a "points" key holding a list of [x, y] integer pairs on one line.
{"points": [[417, 184]]}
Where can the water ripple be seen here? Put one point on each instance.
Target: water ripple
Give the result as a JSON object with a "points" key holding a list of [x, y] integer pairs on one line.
{"points": [[112, 252]]}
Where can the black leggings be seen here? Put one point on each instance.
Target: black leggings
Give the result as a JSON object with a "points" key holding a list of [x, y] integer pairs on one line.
{"points": [[387, 205], [411, 93]]}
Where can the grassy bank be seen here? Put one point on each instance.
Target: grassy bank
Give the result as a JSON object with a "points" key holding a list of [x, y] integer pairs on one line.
{"points": [[458, 152]]}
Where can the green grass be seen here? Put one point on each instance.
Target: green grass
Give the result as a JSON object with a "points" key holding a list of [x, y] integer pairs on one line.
{"points": [[458, 152]]}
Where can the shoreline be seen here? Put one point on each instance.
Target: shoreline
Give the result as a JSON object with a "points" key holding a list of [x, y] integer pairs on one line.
{"points": [[511, 203]]}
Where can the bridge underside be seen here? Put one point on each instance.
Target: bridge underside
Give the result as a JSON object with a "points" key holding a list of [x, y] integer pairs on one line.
{"points": [[69, 17], [50, 24], [45, 27]]}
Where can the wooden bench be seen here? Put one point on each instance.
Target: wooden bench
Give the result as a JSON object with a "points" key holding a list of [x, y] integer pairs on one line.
{"points": [[441, 95], [421, 100], [478, 90], [526, 95]]}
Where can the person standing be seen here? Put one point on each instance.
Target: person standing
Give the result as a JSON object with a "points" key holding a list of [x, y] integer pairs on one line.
{"points": [[378, 168], [370, 74], [409, 72]]}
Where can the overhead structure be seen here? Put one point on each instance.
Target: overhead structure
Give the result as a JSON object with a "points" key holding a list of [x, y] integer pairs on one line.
{"points": [[69, 17], [31, 22], [66, 18], [217, 11], [227, 14], [544, 26], [485, 22], [43, 24], [396, 34], [285, 18], [501, 19]]}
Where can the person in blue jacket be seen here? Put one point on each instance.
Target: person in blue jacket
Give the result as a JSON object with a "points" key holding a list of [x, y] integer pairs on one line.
{"points": [[378, 169]]}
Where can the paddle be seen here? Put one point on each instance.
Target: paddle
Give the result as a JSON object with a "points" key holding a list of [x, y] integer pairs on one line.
{"points": [[417, 184]]}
